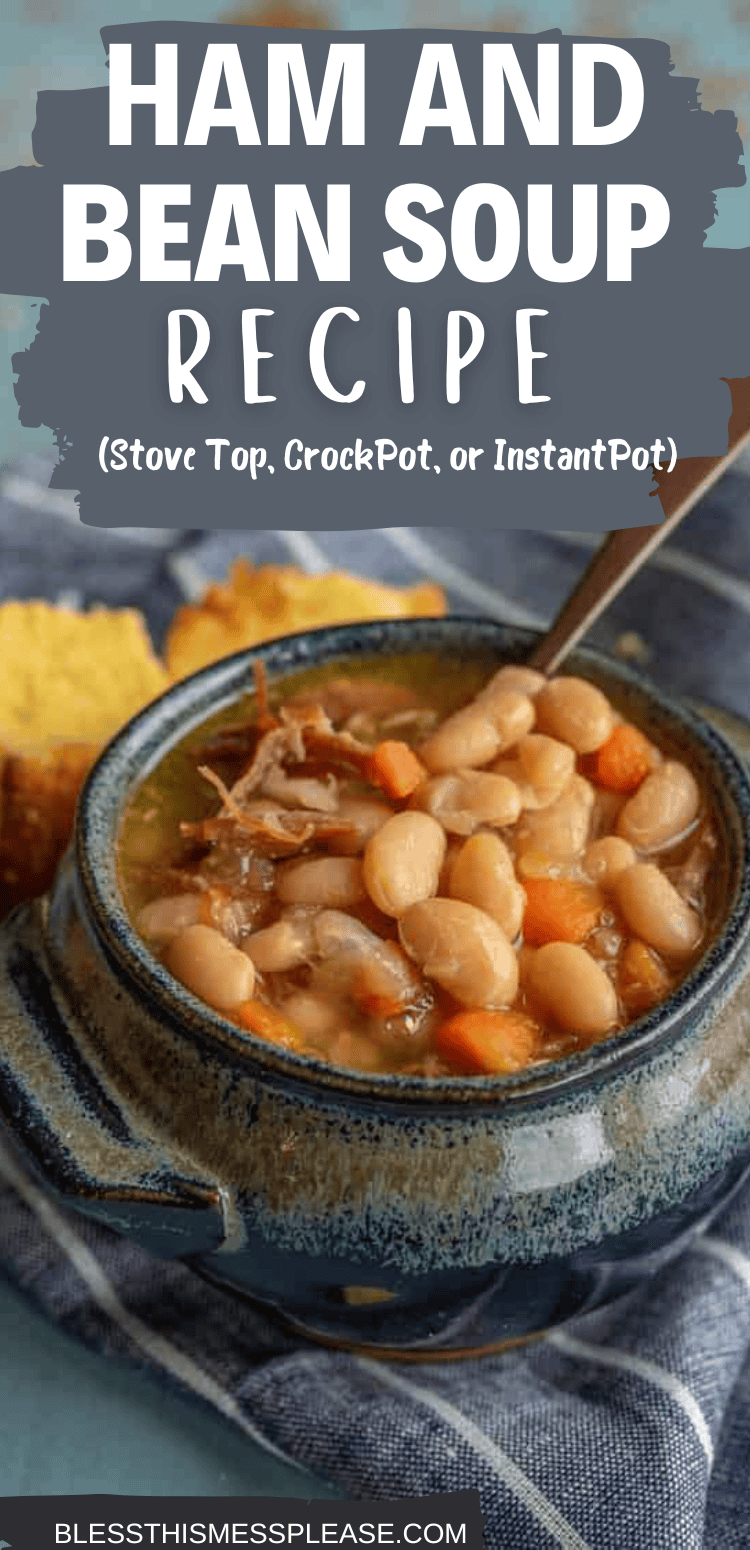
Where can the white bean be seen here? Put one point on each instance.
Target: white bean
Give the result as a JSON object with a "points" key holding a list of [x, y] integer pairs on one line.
{"points": [[163, 918], [316, 1015], [655, 911], [468, 798], [208, 965], [466, 739], [541, 769], [512, 713], [402, 861], [366, 815], [463, 949], [557, 833], [287, 944], [478, 732], [576, 712], [387, 980], [334, 882], [482, 874], [604, 859], [573, 988], [357, 962], [663, 807], [522, 680]]}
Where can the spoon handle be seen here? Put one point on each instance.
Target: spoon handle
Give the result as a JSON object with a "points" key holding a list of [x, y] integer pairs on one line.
{"points": [[620, 556]]}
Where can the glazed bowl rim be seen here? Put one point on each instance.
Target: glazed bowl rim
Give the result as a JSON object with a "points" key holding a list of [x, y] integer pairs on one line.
{"points": [[116, 773]]}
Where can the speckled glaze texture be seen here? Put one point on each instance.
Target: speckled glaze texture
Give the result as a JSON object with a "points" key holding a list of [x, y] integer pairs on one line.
{"points": [[401, 1214]]}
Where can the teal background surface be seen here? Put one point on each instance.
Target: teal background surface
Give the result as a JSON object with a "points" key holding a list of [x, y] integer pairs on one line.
{"points": [[73, 1424]]}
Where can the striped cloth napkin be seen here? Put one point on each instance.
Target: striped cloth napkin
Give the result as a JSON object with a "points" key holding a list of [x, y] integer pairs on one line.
{"points": [[628, 1429]]}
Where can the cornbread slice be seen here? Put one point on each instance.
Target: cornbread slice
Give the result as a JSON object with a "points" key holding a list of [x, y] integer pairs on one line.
{"points": [[72, 676], [261, 603], [68, 681]]}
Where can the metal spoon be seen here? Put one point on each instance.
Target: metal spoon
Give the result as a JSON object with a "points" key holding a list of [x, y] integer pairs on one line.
{"points": [[622, 554]]}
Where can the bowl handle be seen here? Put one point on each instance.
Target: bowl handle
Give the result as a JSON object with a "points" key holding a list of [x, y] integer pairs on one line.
{"points": [[67, 1126]]}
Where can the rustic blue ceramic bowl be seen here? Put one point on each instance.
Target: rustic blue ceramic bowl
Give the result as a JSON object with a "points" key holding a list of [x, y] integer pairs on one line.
{"points": [[401, 1214]]}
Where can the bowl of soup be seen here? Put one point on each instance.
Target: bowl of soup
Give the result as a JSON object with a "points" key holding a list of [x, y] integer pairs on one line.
{"points": [[396, 987]]}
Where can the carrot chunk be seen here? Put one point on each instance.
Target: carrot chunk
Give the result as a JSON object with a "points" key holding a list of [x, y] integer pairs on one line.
{"points": [[643, 980], [379, 1006], [270, 1024], [483, 1042], [396, 769], [559, 910], [624, 760]]}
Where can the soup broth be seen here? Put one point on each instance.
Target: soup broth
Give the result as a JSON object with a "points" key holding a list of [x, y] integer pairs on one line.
{"points": [[425, 866]]}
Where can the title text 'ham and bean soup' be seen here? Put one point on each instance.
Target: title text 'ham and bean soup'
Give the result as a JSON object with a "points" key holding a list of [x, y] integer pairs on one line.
{"points": [[426, 868]]}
